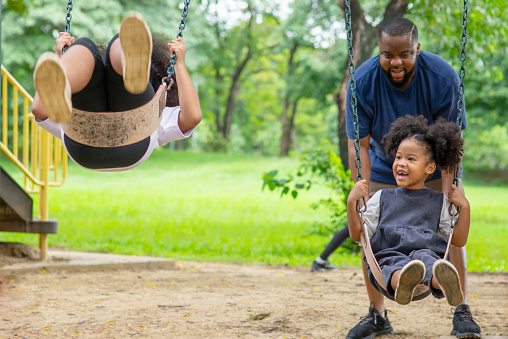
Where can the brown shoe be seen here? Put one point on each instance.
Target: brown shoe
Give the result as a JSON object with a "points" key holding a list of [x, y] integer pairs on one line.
{"points": [[136, 41], [448, 278], [53, 87], [411, 276]]}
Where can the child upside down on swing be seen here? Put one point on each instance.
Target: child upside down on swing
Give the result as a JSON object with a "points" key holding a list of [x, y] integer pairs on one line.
{"points": [[126, 79], [408, 225]]}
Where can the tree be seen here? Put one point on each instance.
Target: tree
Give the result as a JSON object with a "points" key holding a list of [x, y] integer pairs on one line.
{"points": [[364, 40], [307, 31], [230, 52]]}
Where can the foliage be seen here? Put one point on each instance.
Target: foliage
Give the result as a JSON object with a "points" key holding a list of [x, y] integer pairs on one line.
{"points": [[440, 24], [217, 38], [209, 207], [318, 166]]}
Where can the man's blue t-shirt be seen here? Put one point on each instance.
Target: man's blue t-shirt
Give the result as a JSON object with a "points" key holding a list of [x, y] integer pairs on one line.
{"points": [[433, 93]]}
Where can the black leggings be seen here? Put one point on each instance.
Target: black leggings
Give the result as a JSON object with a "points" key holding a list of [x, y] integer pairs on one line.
{"points": [[106, 92], [336, 241]]}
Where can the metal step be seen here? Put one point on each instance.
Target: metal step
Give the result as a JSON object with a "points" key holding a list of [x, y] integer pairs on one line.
{"points": [[31, 226], [15, 198], [16, 209]]}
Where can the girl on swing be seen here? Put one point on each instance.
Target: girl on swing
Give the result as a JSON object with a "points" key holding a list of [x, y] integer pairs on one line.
{"points": [[126, 79], [408, 225]]}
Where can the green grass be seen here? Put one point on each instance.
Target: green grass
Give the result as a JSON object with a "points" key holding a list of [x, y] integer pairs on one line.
{"points": [[210, 207]]}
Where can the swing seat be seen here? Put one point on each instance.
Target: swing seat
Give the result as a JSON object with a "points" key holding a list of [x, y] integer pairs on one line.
{"points": [[421, 291], [113, 129]]}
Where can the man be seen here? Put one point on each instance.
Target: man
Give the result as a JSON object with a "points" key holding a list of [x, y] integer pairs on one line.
{"points": [[402, 80]]}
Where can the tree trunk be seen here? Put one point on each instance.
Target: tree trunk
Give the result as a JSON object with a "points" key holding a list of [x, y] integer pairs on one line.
{"points": [[287, 124], [235, 85], [218, 74], [364, 42], [216, 110], [290, 128]]}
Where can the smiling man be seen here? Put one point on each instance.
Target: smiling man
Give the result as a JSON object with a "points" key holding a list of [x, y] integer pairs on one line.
{"points": [[402, 80]]}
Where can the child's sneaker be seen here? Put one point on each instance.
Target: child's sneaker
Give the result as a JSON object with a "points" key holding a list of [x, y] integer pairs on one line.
{"points": [[53, 87], [411, 276], [136, 41], [448, 278]]}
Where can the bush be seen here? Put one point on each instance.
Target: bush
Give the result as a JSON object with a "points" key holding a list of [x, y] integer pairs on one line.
{"points": [[318, 166]]}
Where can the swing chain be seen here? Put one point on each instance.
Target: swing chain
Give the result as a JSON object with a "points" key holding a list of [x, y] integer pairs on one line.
{"points": [[171, 68], [462, 73], [350, 52], [68, 19]]}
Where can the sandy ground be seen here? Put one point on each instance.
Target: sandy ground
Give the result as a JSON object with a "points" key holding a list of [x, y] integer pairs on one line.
{"points": [[212, 300]]}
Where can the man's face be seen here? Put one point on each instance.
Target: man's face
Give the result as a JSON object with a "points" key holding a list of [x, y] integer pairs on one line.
{"points": [[397, 57]]}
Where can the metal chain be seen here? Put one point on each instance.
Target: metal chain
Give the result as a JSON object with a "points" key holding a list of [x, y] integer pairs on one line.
{"points": [[171, 68], [462, 73], [68, 19], [352, 86], [350, 52]]}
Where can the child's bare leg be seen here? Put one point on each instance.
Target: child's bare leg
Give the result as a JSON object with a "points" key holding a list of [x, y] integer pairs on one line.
{"points": [[79, 64], [435, 284], [411, 275], [395, 279], [446, 277], [115, 56]]}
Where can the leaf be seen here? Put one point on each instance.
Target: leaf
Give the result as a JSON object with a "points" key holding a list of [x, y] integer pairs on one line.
{"points": [[17, 6], [272, 174], [294, 194], [285, 191]]}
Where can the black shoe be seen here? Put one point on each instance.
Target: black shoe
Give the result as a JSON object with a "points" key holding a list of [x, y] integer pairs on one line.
{"points": [[463, 323], [371, 326], [317, 267]]}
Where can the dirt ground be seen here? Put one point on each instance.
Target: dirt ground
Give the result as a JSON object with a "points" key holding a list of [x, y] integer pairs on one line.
{"points": [[213, 300]]}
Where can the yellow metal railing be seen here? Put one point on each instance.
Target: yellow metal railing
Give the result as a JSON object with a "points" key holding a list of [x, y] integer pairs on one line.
{"points": [[42, 155]]}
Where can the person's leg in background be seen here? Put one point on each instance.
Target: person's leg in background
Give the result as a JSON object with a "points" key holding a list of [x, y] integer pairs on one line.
{"points": [[321, 264]]}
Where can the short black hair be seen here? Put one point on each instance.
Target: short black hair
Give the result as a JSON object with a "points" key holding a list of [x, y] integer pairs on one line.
{"points": [[398, 26]]}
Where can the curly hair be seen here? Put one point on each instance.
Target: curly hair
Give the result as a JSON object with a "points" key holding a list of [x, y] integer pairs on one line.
{"points": [[161, 59], [442, 141]]}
